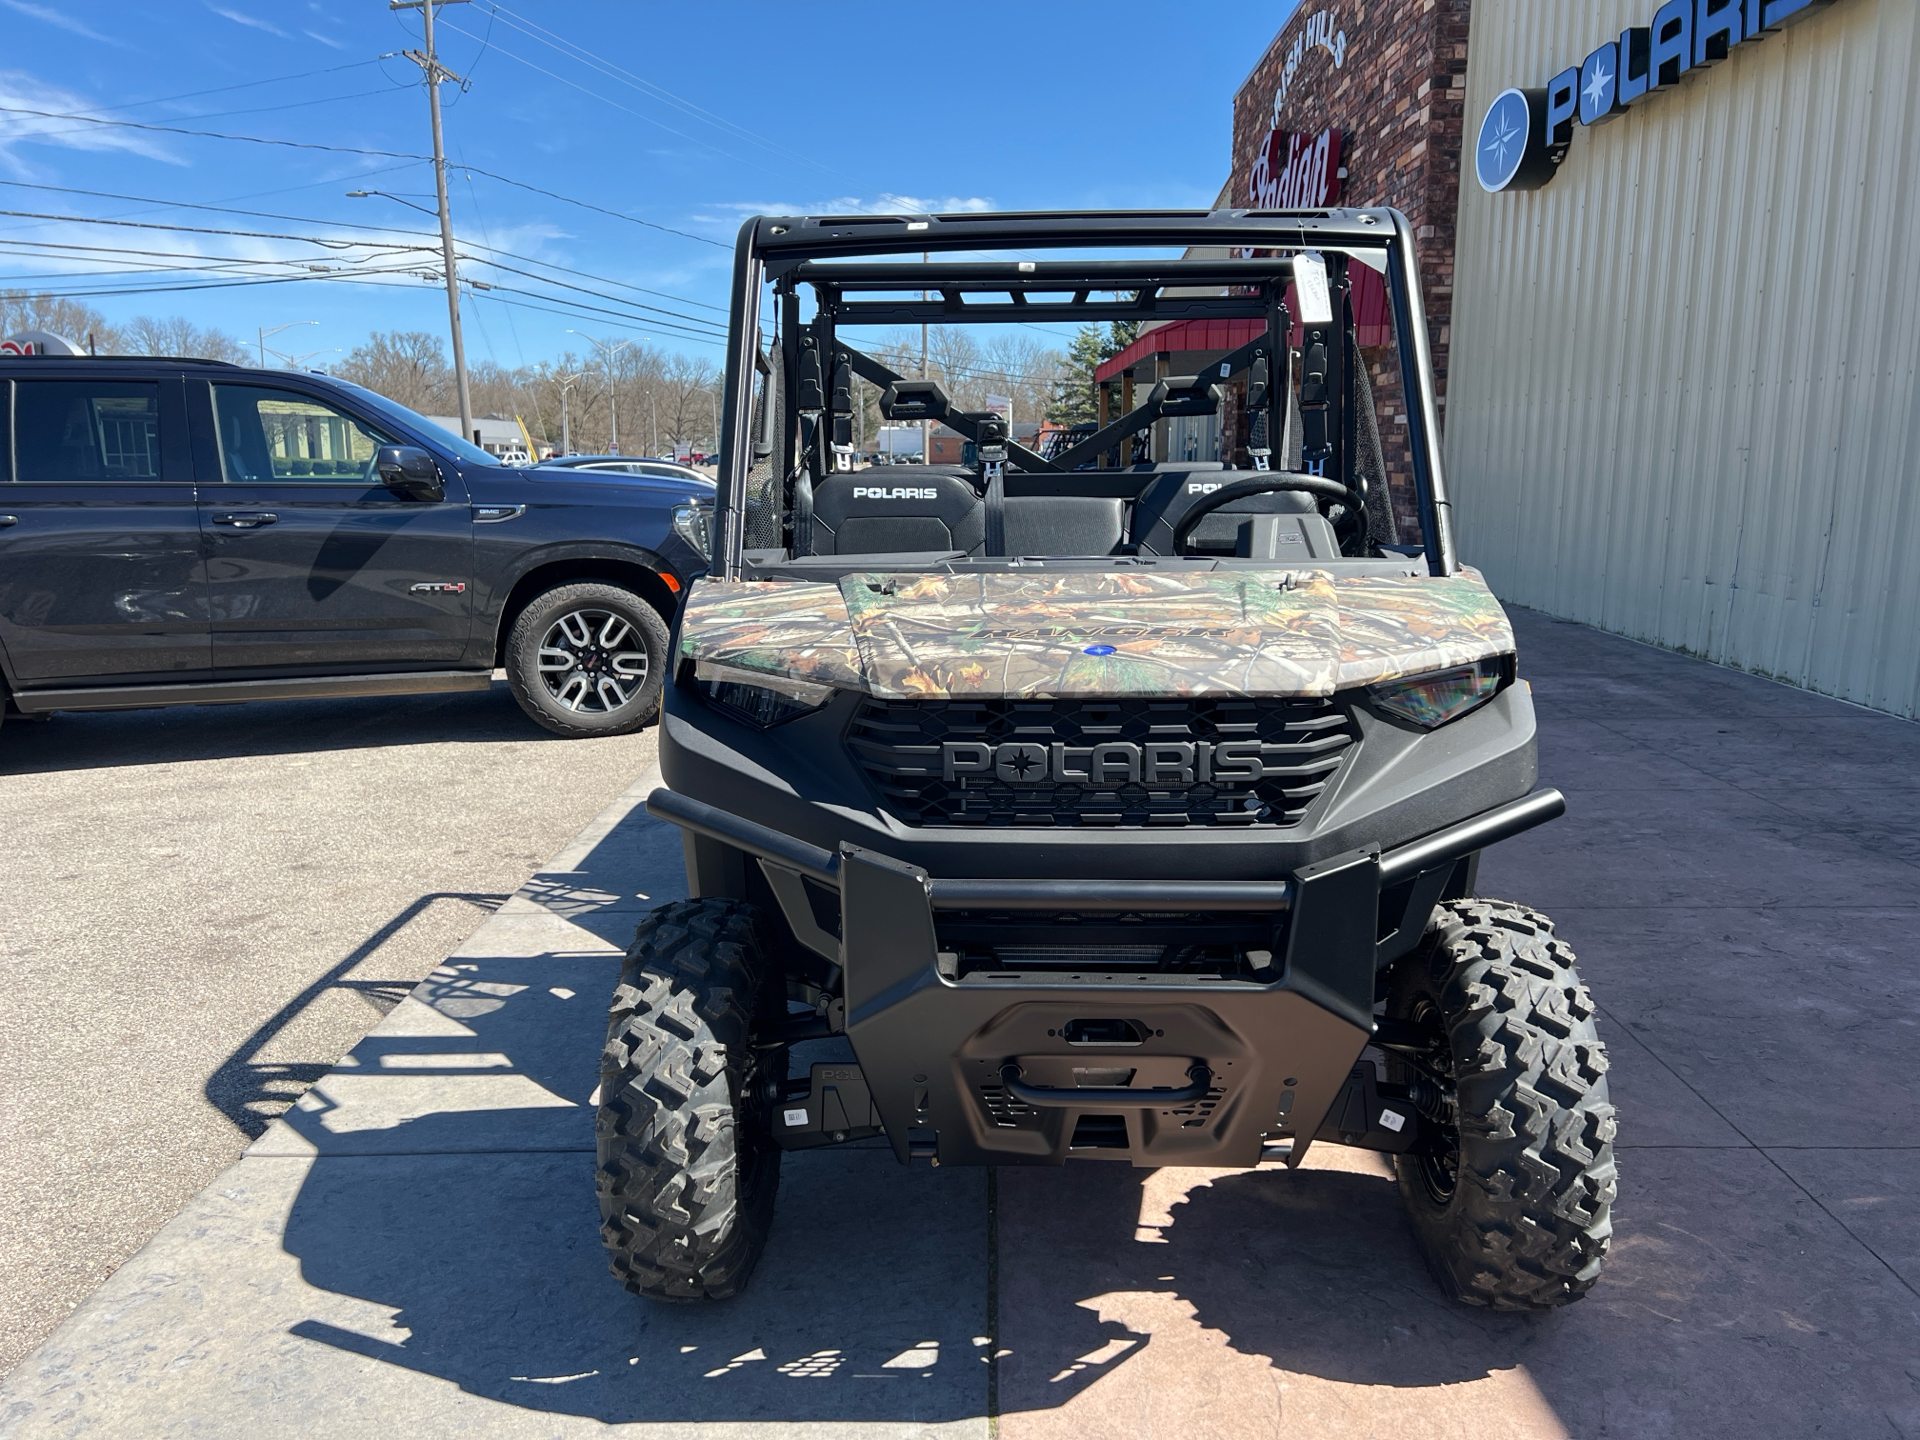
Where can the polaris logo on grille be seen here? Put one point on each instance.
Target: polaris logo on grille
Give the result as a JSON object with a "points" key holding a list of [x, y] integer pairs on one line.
{"points": [[1117, 762], [895, 492]]}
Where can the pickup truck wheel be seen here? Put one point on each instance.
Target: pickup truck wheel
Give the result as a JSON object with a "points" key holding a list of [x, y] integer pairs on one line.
{"points": [[588, 659], [1512, 1202], [688, 1166]]}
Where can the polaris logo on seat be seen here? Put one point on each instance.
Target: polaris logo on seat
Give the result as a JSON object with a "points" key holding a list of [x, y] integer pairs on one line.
{"points": [[1202, 487], [894, 492], [1118, 762]]}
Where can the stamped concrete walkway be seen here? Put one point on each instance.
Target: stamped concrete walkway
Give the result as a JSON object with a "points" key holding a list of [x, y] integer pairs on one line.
{"points": [[414, 1249]]}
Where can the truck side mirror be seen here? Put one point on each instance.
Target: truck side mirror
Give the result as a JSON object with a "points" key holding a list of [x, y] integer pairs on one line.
{"points": [[409, 472]]}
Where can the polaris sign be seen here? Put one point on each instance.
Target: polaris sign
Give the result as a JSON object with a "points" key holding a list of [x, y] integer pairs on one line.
{"points": [[1525, 133]]}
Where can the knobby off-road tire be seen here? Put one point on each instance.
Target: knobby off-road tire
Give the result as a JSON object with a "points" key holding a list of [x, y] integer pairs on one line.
{"points": [[688, 1166], [1523, 1221], [588, 659]]}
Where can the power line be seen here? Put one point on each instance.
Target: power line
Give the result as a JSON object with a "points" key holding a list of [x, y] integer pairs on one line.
{"points": [[355, 225], [573, 51], [690, 139], [574, 314], [381, 229], [706, 333], [243, 85], [356, 150], [334, 244], [716, 333], [630, 304]]}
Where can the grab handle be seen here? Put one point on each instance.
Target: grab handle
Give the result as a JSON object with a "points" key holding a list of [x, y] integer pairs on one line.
{"points": [[1077, 1097]]}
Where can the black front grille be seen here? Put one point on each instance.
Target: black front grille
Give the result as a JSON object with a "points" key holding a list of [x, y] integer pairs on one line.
{"points": [[1042, 762]]}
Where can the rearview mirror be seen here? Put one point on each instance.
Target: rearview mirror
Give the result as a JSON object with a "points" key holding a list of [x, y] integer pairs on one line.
{"points": [[409, 472]]}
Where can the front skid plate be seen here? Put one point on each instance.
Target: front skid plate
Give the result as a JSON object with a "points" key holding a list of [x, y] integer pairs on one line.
{"points": [[933, 1060], [931, 1049]]}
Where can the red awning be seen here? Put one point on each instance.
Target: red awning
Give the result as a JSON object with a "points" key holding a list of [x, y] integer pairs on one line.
{"points": [[1370, 319]]}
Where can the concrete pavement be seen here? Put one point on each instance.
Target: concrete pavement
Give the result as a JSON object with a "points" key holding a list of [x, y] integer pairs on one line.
{"points": [[207, 907], [414, 1245]]}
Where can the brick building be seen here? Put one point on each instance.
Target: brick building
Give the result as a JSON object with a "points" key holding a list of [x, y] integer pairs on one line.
{"points": [[1389, 78]]}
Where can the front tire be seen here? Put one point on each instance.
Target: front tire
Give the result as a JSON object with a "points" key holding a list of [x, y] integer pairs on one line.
{"points": [[588, 659], [688, 1167], [1513, 1205]]}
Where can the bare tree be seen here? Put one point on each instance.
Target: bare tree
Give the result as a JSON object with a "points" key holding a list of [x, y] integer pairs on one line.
{"points": [[176, 335], [408, 366], [57, 315]]}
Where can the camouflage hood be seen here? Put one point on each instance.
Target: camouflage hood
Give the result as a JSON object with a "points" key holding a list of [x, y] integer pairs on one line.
{"points": [[1216, 632]]}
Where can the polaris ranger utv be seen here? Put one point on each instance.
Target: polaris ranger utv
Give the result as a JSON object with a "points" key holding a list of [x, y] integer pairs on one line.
{"points": [[1109, 805]]}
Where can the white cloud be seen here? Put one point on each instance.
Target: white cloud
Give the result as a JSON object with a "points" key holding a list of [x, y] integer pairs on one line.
{"points": [[64, 21], [239, 18], [885, 203], [324, 40], [22, 91]]}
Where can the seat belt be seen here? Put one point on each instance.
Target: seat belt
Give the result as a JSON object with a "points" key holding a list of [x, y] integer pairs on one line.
{"points": [[991, 444], [996, 540]]}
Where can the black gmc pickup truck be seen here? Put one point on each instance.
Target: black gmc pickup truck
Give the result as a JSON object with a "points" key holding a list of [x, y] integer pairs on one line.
{"points": [[178, 532]]}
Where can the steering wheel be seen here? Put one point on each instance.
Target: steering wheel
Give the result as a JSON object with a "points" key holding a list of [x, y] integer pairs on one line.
{"points": [[1263, 485]]}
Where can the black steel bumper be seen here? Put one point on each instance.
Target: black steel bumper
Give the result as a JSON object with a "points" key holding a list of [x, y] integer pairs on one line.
{"points": [[1004, 1068]]}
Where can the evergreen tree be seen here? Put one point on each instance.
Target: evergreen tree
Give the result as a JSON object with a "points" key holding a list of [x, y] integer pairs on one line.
{"points": [[1072, 402]]}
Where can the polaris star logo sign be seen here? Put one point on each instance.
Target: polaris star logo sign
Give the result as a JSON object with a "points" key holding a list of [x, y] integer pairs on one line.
{"points": [[1119, 762], [1526, 133], [895, 492]]}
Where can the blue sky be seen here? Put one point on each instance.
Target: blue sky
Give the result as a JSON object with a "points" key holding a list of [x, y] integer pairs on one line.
{"points": [[687, 116]]}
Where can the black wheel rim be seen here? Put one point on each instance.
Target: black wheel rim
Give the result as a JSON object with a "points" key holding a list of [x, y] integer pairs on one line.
{"points": [[593, 661], [1439, 1163]]}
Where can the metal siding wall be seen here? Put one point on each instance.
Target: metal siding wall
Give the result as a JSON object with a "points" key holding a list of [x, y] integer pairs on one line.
{"points": [[1683, 401]]}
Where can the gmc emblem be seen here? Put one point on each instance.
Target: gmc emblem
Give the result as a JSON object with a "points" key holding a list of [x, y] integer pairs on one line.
{"points": [[1117, 762]]}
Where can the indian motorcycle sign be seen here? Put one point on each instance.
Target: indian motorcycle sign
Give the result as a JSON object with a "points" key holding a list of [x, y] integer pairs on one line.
{"points": [[1293, 171]]}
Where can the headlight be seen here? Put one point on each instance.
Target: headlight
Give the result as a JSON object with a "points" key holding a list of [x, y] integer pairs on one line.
{"points": [[693, 523], [759, 700], [1433, 700]]}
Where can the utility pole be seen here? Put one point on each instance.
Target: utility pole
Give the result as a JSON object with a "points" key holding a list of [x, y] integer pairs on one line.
{"points": [[608, 349], [653, 401], [435, 73]]}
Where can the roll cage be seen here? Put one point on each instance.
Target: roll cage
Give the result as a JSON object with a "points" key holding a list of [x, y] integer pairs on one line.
{"points": [[801, 435]]}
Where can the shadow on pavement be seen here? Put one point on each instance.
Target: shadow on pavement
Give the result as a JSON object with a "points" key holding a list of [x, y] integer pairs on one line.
{"points": [[868, 1305], [79, 740], [1313, 1271], [251, 1090]]}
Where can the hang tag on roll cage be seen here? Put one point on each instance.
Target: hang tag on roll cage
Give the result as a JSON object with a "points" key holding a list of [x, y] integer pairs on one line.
{"points": [[1310, 288]]}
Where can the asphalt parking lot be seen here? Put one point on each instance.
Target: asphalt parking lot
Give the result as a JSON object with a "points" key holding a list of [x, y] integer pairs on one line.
{"points": [[205, 909], [414, 1246]]}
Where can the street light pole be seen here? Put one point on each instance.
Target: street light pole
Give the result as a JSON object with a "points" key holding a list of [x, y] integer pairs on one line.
{"points": [[264, 331], [435, 73], [568, 379], [608, 349], [926, 426]]}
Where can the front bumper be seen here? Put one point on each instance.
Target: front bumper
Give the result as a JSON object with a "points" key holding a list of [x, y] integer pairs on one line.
{"points": [[1001, 1066]]}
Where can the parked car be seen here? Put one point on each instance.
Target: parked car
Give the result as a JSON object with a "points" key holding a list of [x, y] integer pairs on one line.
{"points": [[178, 532], [632, 465]]}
